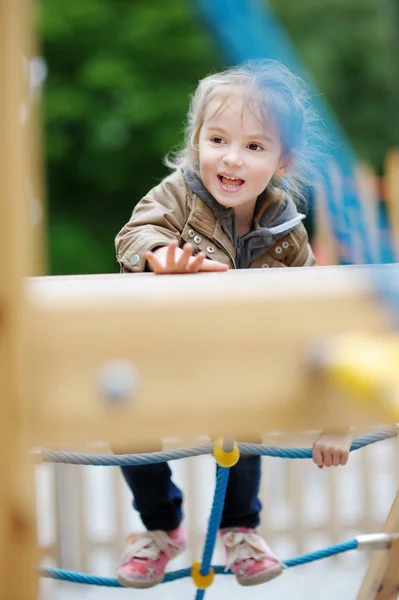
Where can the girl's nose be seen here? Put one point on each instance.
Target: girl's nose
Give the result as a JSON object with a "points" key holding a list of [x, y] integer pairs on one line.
{"points": [[232, 159]]}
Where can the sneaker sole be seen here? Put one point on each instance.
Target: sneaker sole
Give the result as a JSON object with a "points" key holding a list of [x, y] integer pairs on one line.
{"points": [[262, 577], [140, 585]]}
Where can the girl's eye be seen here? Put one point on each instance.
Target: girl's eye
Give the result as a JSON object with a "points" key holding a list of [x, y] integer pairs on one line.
{"points": [[217, 140], [256, 147]]}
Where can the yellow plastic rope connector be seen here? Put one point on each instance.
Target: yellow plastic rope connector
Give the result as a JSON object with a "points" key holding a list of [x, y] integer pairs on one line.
{"points": [[367, 367], [202, 581], [225, 458]]}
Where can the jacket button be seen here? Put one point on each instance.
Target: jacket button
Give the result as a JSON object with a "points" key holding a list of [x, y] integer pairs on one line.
{"points": [[265, 266], [210, 250], [198, 239], [285, 245], [134, 259], [278, 249], [191, 233]]}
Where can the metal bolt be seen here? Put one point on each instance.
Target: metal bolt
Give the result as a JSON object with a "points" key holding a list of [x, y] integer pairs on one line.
{"points": [[118, 381]]}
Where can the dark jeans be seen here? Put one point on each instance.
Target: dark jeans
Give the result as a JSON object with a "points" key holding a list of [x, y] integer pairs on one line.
{"points": [[159, 500]]}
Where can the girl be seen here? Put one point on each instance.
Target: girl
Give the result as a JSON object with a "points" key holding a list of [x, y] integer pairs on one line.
{"points": [[231, 203]]}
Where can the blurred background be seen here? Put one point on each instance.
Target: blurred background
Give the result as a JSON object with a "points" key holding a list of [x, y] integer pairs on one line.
{"points": [[118, 73], [116, 77]]}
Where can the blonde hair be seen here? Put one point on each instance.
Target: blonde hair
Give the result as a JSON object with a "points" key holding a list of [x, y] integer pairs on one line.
{"points": [[281, 98]]}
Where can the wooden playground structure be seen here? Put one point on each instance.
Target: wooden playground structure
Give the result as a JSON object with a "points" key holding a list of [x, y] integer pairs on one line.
{"points": [[97, 357]]}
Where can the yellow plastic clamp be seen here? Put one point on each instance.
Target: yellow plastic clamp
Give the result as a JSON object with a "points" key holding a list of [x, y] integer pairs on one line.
{"points": [[202, 581], [367, 366], [223, 457]]}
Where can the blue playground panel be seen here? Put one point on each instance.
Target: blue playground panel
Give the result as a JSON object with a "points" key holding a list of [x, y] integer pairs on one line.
{"points": [[248, 30]]}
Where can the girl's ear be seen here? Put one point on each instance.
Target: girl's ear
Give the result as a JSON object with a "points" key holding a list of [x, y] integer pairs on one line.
{"points": [[280, 172], [282, 168]]}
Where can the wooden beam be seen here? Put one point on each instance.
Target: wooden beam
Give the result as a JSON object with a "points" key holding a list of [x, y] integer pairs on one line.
{"points": [[367, 185], [213, 353], [17, 514], [381, 581], [391, 192]]}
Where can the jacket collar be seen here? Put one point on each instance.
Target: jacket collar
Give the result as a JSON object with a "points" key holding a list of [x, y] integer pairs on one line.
{"points": [[270, 223]]}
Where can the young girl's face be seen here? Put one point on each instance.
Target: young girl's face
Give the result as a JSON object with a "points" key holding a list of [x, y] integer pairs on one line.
{"points": [[238, 155]]}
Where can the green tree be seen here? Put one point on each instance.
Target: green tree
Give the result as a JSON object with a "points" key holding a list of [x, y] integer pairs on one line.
{"points": [[115, 100], [116, 96], [351, 50]]}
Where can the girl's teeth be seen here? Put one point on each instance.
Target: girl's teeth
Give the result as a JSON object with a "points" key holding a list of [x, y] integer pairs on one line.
{"points": [[230, 182]]}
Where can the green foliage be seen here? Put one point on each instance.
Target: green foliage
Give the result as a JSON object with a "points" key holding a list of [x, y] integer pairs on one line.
{"points": [[116, 96], [351, 49]]}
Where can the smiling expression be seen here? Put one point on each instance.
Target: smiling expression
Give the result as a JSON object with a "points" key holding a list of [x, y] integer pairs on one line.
{"points": [[238, 154]]}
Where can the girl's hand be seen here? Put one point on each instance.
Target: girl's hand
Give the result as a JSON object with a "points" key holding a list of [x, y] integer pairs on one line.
{"points": [[171, 259], [331, 449]]}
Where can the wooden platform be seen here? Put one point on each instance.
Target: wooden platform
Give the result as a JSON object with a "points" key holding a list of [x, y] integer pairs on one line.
{"points": [[213, 353]]}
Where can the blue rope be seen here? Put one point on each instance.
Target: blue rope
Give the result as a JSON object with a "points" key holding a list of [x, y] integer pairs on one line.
{"points": [[323, 553], [217, 505], [222, 479], [126, 460], [73, 577]]}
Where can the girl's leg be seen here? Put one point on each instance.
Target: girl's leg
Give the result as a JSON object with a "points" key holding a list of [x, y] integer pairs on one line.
{"points": [[156, 497], [247, 554], [159, 502], [242, 505]]}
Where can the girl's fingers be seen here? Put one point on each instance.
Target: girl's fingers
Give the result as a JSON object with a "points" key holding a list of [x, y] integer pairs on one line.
{"points": [[185, 257], [327, 458], [154, 263], [186, 262], [336, 458], [213, 265], [170, 257], [196, 263], [317, 456], [344, 458]]}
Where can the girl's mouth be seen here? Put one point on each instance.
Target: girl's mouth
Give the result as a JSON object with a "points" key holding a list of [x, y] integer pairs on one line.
{"points": [[230, 184]]}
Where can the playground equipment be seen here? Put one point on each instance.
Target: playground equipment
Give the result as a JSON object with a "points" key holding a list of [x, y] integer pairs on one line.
{"points": [[365, 542], [86, 358]]}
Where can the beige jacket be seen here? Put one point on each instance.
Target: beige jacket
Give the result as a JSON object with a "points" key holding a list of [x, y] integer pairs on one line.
{"points": [[173, 211]]}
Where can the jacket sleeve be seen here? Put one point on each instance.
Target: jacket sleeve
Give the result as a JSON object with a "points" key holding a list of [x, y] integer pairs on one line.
{"points": [[157, 219], [303, 256]]}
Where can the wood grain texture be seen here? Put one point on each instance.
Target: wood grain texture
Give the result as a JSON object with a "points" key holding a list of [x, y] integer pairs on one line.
{"points": [[215, 353], [381, 581], [17, 510]]}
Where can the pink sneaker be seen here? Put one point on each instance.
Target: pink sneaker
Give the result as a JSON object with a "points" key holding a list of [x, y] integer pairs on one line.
{"points": [[147, 555], [249, 557]]}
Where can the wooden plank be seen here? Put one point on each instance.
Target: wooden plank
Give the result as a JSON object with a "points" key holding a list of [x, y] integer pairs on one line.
{"points": [[33, 122], [381, 581], [368, 190], [391, 192], [17, 514], [214, 353]]}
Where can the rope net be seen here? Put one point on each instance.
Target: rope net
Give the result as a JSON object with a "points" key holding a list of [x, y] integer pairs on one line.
{"points": [[206, 570]]}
